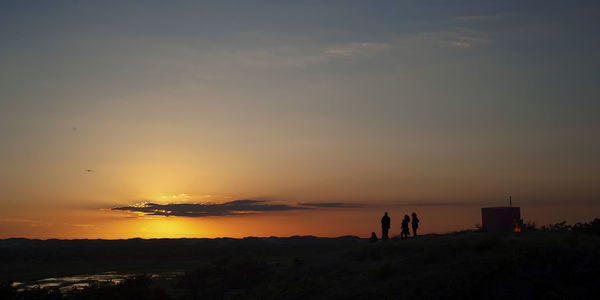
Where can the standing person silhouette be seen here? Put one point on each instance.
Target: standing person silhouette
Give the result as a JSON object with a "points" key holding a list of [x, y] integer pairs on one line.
{"points": [[415, 224], [405, 231], [385, 226]]}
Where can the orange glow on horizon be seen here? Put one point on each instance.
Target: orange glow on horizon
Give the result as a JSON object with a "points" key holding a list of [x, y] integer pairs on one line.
{"points": [[323, 222]]}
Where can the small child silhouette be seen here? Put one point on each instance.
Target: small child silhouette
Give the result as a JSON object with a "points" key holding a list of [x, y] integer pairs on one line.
{"points": [[374, 237]]}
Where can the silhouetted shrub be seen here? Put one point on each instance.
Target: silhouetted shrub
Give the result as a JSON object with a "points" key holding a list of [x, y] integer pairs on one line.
{"points": [[479, 228], [135, 287], [529, 226], [384, 271], [558, 227], [7, 291], [487, 243], [40, 294], [213, 280], [592, 228]]}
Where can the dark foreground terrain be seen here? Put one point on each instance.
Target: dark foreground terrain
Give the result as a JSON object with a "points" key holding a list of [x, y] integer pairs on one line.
{"points": [[530, 265]]}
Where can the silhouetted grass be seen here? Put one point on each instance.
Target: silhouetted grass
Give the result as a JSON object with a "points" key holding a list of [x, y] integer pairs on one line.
{"points": [[467, 265]]}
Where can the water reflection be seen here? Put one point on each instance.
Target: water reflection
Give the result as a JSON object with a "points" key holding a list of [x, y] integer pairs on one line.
{"points": [[80, 281]]}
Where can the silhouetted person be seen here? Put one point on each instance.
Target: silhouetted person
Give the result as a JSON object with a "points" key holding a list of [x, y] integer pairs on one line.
{"points": [[415, 223], [405, 232], [385, 226], [374, 237]]}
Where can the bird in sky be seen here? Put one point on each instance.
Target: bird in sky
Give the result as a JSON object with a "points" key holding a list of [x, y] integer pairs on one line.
{"points": [[88, 170]]}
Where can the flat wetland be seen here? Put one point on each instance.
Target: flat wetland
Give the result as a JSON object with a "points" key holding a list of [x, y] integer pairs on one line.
{"points": [[475, 265]]}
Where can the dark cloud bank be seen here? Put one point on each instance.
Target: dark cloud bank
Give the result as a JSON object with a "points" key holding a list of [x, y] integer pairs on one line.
{"points": [[237, 207]]}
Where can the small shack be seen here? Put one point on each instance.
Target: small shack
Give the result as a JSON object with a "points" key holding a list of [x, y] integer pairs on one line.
{"points": [[501, 219]]}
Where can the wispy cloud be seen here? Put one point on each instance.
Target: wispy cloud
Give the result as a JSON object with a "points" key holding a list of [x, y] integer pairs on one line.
{"points": [[30, 223], [300, 56], [458, 37], [356, 49], [80, 225], [476, 18], [329, 204], [449, 203], [283, 57]]}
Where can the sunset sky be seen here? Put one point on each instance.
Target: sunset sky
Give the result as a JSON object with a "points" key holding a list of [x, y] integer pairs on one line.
{"points": [[261, 118]]}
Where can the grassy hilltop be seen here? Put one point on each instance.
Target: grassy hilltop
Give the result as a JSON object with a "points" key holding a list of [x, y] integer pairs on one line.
{"points": [[525, 265]]}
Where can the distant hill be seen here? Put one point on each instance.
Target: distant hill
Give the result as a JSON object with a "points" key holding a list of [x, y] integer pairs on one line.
{"points": [[469, 265]]}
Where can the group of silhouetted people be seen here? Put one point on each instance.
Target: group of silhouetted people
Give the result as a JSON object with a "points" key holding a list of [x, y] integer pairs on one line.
{"points": [[385, 227]]}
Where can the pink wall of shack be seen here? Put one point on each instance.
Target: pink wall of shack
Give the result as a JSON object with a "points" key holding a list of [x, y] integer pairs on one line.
{"points": [[500, 219]]}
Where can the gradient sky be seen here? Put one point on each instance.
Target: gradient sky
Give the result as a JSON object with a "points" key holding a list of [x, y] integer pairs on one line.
{"points": [[327, 112]]}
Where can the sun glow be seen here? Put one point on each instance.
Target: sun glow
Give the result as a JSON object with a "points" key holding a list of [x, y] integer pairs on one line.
{"points": [[166, 227]]}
